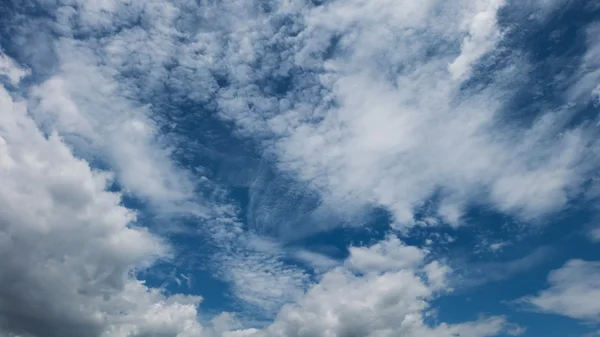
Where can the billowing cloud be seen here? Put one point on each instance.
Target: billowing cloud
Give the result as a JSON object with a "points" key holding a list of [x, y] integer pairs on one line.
{"points": [[68, 248], [376, 299]]}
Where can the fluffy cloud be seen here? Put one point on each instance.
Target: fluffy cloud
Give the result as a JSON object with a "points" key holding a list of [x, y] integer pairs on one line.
{"points": [[387, 255], [573, 291], [111, 127], [371, 297], [393, 112], [68, 247]]}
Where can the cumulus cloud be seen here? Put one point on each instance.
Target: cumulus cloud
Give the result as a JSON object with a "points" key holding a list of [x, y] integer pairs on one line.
{"points": [[387, 255], [68, 247], [381, 300], [376, 299], [573, 291]]}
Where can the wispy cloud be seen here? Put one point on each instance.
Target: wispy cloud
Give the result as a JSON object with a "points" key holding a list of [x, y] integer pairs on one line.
{"points": [[572, 292], [395, 119], [387, 299], [475, 274], [586, 81]]}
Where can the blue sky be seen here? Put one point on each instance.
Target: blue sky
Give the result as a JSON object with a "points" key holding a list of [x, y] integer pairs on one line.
{"points": [[296, 168]]}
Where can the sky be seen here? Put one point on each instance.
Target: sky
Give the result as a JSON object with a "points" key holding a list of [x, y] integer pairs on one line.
{"points": [[299, 168]]}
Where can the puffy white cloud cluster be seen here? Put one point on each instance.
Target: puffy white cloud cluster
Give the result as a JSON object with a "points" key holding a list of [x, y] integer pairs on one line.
{"points": [[68, 248], [381, 290]]}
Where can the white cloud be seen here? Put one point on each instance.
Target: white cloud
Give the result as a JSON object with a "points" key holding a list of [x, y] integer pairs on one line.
{"points": [[573, 292], [498, 246], [319, 262], [474, 274], [595, 234], [384, 256], [516, 331], [587, 79], [382, 120], [11, 70], [483, 34], [400, 130], [68, 248], [105, 98], [260, 279], [114, 128], [388, 300], [592, 334], [381, 301]]}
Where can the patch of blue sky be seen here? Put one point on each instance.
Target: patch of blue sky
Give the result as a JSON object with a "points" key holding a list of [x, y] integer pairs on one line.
{"points": [[493, 279]]}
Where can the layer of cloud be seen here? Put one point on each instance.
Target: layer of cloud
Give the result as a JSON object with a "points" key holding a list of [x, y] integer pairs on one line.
{"points": [[474, 274], [84, 101], [366, 116], [573, 292], [386, 107]]}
